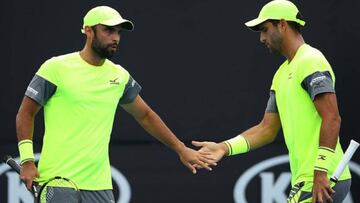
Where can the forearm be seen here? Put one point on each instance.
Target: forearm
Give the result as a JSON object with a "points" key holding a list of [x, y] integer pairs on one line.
{"points": [[259, 136], [153, 124], [255, 137], [329, 132], [252, 138], [24, 126], [24, 132]]}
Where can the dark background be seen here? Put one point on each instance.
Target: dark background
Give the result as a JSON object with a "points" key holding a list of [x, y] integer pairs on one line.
{"points": [[201, 69]]}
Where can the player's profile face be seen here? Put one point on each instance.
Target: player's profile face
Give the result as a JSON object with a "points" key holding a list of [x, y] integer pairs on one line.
{"points": [[106, 40], [270, 36]]}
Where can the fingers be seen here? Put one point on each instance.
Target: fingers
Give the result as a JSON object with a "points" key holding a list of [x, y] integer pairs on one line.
{"points": [[197, 166], [206, 154], [198, 144], [325, 196], [208, 161], [201, 162], [313, 199], [191, 168], [331, 191], [197, 160], [28, 172], [27, 181], [205, 166], [328, 194]]}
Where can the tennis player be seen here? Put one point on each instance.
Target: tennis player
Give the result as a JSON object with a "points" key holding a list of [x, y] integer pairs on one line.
{"points": [[80, 93], [303, 103]]}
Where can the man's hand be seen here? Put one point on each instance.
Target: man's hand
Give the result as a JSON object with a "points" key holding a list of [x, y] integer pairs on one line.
{"points": [[215, 151], [191, 158], [28, 173], [322, 190]]}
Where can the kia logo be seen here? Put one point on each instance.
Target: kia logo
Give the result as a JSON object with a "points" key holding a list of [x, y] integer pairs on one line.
{"points": [[272, 190]]}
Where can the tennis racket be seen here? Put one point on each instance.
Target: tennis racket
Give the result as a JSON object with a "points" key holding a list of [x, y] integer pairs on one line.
{"points": [[55, 190], [345, 160], [12, 163], [353, 146]]}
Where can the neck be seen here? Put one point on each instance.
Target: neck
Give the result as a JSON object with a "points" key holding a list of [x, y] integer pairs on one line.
{"points": [[292, 44], [90, 56]]}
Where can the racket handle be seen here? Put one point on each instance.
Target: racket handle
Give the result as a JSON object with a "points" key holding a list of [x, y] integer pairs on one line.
{"points": [[345, 160], [12, 163]]}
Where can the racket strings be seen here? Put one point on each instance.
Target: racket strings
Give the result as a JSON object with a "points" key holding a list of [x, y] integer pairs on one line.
{"points": [[295, 193], [56, 188]]}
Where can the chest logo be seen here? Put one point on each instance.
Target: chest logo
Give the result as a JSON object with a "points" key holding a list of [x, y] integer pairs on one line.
{"points": [[114, 81], [290, 76]]}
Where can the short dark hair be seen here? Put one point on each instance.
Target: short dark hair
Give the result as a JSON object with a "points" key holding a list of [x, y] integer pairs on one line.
{"points": [[294, 25]]}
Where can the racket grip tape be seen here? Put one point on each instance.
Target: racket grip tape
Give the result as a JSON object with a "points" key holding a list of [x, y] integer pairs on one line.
{"points": [[345, 160]]}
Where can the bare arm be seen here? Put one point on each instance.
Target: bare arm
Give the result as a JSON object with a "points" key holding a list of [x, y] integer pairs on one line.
{"points": [[326, 105], [25, 118], [153, 124], [257, 136], [263, 133], [24, 130]]}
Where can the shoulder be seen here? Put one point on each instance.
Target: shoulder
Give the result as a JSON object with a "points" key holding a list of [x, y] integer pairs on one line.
{"points": [[312, 60], [311, 55], [117, 71], [55, 60], [116, 67]]}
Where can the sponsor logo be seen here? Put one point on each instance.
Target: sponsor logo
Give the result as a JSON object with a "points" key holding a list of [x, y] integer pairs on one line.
{"points": [[133, 83], [114, 81], [272, 189], [290, 76], [317, 79], [32, 91], [322, 157], [17, 192]]}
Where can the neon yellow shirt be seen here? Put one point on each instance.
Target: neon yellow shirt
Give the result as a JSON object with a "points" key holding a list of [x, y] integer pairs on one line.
{"points": [[78, 120], [299, 118]]}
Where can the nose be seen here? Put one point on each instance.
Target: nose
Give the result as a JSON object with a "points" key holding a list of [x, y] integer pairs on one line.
{"points": [[262, 37], [115, 37]]}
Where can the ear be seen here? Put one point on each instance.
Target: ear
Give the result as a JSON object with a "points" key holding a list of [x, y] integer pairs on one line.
{"points": [[282, 25], [88, 31]]}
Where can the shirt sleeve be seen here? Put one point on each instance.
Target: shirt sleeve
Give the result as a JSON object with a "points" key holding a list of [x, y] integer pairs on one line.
{"points": [[40, 90], [49, 71], [317, 83], [271, 104], [132, 89]]}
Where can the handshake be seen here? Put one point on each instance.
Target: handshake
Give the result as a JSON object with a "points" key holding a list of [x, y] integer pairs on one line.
{"points": [[207, 156]]}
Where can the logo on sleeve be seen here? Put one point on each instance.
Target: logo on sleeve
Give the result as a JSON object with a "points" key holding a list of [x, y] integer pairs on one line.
{"points": [[32, 91], [133, 83], [317, 80]]}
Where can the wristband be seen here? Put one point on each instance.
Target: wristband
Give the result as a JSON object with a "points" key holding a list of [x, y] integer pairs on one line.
{"points": [[237, 145], [26, 151], [323, 159]]}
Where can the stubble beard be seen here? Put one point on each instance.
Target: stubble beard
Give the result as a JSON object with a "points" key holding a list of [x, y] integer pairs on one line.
{"points": [[100, 49], [275, 44]]}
